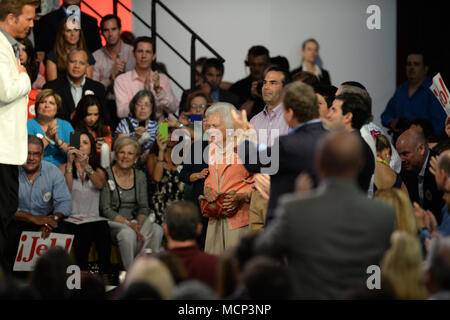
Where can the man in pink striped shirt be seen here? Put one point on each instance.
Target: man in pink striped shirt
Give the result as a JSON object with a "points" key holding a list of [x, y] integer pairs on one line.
{"points": [[270, 122], [142, 77]]}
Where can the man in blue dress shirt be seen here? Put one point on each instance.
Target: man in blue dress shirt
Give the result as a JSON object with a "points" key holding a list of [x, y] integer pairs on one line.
{"points": [[413, 99], [44, 199]]}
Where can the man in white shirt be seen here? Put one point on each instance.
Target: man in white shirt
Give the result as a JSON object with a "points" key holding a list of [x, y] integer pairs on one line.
{"points": [[16, 19]]}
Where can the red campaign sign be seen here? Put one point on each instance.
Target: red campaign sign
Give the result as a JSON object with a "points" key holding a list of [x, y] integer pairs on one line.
{"points": [[441, 92], [32, 246]]}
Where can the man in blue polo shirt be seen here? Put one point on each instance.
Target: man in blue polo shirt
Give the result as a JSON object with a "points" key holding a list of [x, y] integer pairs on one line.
{"points": [[413, 99], [44, 199]]}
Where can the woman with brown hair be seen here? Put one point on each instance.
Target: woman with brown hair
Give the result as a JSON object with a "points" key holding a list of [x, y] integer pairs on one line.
{"points": [[69, 36], [54, 132]]}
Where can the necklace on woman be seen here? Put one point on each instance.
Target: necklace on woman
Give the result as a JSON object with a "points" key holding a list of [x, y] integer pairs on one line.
{"points": [[381, 160]]}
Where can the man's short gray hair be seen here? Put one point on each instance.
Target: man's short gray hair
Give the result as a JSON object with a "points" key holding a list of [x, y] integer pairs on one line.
{"points": [[224, 109]]}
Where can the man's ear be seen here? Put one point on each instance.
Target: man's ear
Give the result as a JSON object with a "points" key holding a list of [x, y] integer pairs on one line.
{"points": [[348, 117], [166, 230], [421, 149], [199, 229], [290, 114]]}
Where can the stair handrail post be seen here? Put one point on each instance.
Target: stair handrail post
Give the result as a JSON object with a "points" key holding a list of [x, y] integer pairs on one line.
{"points": [[153, 29]]}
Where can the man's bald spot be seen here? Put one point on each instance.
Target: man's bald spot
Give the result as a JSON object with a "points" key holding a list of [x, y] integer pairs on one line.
{"points": [[75, 50], [411, 137], [340, 153], [444, 161]]}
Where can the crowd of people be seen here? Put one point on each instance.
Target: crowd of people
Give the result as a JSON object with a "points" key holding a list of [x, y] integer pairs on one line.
{"points": [[279, 186]]}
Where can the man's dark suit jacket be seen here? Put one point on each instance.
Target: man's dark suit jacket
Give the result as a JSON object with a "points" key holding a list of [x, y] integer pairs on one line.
{"points": [[432, 196], [324, 79], [330, 237], [62, 87], [46, 29], [296, 154]]}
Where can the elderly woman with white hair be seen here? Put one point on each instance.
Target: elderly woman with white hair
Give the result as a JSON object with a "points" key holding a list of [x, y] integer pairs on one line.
{"points": [[227, 189]]}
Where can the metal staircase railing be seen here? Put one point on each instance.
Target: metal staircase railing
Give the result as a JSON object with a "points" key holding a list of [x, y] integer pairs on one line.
{"points": [[155, 35]]}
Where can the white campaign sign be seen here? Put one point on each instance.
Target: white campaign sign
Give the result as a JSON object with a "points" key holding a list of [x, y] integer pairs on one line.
{"points": [[441, 92], [32, 246]]}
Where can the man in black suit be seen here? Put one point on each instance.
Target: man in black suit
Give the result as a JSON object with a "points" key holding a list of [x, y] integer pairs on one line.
{"points": [[332, 235], [75, 85], [249, 89], [349, 112], [291, 154], [415, 154], [46, 28]]}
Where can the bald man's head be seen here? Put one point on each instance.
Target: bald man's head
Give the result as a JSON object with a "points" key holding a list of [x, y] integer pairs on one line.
{"points": [[443, 169], [412, 148], [340, 155]]}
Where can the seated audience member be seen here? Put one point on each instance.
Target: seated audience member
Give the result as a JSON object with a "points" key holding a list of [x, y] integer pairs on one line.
{"points": [[266, 279], [193, 290], [196, 104], [413, 99], [50, 276], [227, 186], [310, 53], [44, 200], [426, 127], [89, 117], [181, 227], [213, 71], [69, 37], [174, 264], [443, 140], [199, 63], [151, 272], [250, 99], [76, 84], [437, 269], [47, 25], [194, 173], [421, 184], [344, 256], [27, 58], [142, 77], [402, 266], [349, 112], [124, 202], [127, 37], [54, 132], [405, 217], [85, 179], [385, 177], [427, 222], [115, 58], [141, 122], [165, 184]]}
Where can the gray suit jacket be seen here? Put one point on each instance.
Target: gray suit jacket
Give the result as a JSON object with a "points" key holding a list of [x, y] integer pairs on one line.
{"points": [[330, 236]]}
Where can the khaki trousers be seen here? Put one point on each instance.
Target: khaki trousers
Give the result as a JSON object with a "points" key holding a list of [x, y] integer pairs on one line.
{"points": [[220, 236]]}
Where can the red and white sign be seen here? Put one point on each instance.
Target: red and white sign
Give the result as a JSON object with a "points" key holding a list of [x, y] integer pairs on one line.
{"points": [[441, 92], [32, 246]]}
